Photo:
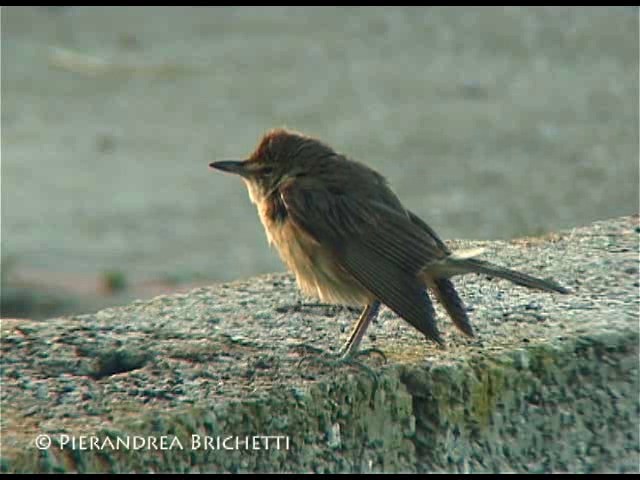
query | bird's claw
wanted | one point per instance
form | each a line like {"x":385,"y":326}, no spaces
{"x":304,"y":348}
{"x":368,"y":352}
{"x":335,"y":361}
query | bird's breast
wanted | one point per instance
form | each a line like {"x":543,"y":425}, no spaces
{"x":317,"y":270}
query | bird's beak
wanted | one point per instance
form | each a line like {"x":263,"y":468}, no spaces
{"x":231,"y":166}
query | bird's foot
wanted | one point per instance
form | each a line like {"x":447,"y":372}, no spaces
{"x":328,"y":309}
{"x":338,"y":360}
{"x":368,"y":352}
{"x":306,"y":349}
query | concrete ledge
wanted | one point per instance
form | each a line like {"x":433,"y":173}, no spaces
{"x":549,"y":384}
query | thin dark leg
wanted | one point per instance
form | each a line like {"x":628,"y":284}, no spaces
{"x":368,"y":314}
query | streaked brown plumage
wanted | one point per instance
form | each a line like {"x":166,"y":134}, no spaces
{"x":347,"y":238}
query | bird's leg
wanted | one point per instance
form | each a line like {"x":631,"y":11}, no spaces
{"x":349,"y":353}
{"x":368,"y":314}
{"x":357,"y":333}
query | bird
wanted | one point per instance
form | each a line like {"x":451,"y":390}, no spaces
{"x":346,"y":236}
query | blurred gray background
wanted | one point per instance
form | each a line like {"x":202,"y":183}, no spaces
{"x":489,"y":123}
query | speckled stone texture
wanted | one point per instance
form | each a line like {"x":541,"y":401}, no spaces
{"x":549,"y":384}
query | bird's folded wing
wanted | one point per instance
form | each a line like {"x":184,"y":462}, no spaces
{"x":380,"y":247}
{"x":429,"y":231}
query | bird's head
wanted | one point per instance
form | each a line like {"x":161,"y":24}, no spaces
{"x":280,"y":155}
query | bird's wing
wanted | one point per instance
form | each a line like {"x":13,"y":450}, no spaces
{"x":379,"y":246}
{"x":429,"y":231}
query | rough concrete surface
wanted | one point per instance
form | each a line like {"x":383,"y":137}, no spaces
{"x":549,"y":384}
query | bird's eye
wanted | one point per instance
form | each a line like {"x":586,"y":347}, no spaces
{"x":266,"y":170}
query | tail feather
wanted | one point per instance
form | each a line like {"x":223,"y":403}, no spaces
{"x":486,"y":268}
{"x":451,"y":301}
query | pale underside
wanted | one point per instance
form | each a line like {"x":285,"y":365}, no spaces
{"x":317,"y":275}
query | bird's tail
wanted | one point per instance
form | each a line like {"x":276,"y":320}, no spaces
{"x":465,"y":262}
{"x":480,"y":266}
{"x":451,"y":301}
